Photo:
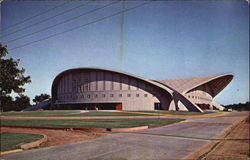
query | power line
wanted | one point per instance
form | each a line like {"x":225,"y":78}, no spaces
{"x":68,"y":20}
{"x":44,"y":20}
{"x":27,"y":19}
{"x":83,"y":25}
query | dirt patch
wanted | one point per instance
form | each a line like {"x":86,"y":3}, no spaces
{"x":234,"y":147}
{"x":57,"y":137}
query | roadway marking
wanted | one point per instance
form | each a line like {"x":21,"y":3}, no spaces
{"x":11,"y":151}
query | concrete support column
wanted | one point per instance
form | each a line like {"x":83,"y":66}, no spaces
{"x":176,"y":99}
{"x":211,"y":106}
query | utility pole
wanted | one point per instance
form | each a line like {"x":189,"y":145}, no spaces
{"x":121,"y":48}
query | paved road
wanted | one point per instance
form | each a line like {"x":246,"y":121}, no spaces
{"x":169,"y":142}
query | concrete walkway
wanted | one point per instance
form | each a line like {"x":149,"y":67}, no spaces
{"x":169,"y":142}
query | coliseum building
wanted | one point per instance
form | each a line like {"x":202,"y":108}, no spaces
{"x":103,"y":89}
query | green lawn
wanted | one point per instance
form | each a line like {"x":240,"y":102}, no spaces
{"x":93,"y":123}
{"x":38,"y":113}
{"x":10,"y":141}
{"x":162,"y":112}
{"x":72,"y":113}
{"x":93,"y":113}
{"x":69,"y":114}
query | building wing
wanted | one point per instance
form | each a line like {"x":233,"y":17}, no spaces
{"x":183,"y":85}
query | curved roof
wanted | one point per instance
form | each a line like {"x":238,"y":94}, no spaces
{"x":172,"y":86}
{"x":184,"y":85}
{"x":109,"y":70}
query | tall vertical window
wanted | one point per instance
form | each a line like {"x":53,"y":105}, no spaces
{"x":65,"y":84}
{"x":112,"y":82}
{"x":104,"y":80}
{"x":68,"y":80}
{"x":89,"y":82}
{"x":120,"y":82}
{"x":63,"y":91}
{"x":96,"y":81}
{"x":78,"y":85}
{"x":60,"y":86}
{"x":82,"y":88}
{"x":129,"y":83}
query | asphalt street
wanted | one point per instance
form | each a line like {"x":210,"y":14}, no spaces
{"x":169,"y":142}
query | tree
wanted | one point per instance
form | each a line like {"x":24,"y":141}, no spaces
{"x":22,"y":102}
{"x":40,"y":98}
{"x":11,"y":77}
{"x":8,"y":102}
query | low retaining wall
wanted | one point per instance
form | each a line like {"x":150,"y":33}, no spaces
{"x":34,"y":144}
{"x":127,"y":129}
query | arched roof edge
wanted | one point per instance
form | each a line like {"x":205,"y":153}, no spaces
{"x":209,"y":80}
{"x":169,"y":90}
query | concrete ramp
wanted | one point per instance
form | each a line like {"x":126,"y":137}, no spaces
{"x":217,"y":105}
{"x":40,"y":105}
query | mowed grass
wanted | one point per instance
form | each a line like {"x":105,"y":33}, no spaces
{"x":100,"y":114}
{"x":38,"y":113}
{"x":69,"y":114}
{"x":163,"y":112}
{"x":75,"y":113}
{"x":10,"y":141}
{"x":93,"y":123}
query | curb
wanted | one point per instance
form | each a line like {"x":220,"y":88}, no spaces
{"x":127,"y":129}
{"x":184,"y":121}
{"x":27,"y":145}
{"x":35,"y":143}
{"x":11,"y":151}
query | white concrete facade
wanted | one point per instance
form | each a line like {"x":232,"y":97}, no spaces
{"x":100,"y":86}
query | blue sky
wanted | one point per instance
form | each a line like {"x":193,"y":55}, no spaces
{"x":160,"y":40}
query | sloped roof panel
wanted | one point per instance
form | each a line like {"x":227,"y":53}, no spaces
{"x":183,"y":85}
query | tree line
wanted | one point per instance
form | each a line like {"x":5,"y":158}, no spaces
{"x":12,"y":80}
{"x":239,"y":106}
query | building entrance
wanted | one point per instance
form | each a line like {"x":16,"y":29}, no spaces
{"x":157,"y":106}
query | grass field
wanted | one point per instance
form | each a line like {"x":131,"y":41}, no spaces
{"x":38,"y":113}
{"x":72,"y":113}
{"x":68,"y":114}
{"x":10,"y":141}
{"x":92,"y":114}
{"x":163,"y":112}
{"x":93,"y":123}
